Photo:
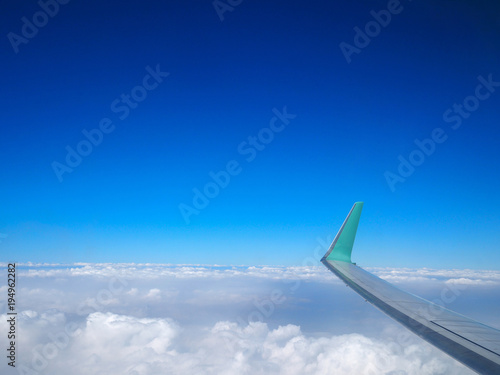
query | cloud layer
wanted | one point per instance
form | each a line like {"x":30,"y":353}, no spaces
{"x":316,"y":273}
{"x":197,"y":319}
{"x":118,"y":344}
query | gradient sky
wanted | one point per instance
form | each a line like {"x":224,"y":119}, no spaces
{"x":353,"y":121}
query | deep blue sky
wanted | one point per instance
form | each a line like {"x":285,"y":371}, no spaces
{"x":353,"y":120}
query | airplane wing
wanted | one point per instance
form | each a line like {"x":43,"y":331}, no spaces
{"x":475,"y":345}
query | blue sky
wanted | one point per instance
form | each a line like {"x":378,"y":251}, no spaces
{"x":353,"y":120}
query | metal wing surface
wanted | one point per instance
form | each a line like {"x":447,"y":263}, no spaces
{"x":472,"y":343}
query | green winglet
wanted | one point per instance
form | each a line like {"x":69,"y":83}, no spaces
{"x":341,"y":247}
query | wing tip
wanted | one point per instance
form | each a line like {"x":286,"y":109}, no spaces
{"x":341,"y":247}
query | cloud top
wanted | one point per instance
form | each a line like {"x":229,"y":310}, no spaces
{"x":313,"y":273}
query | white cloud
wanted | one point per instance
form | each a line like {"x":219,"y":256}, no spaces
{"x":311,"y":273}
{"x":404,"y":275}
{"x":119,"y":344}
{"x":467,"y":281}
{"x":154,"y":293}
{"x":200,"y":319}
{"x":133,"y":292}
{"x":158,"y":271}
